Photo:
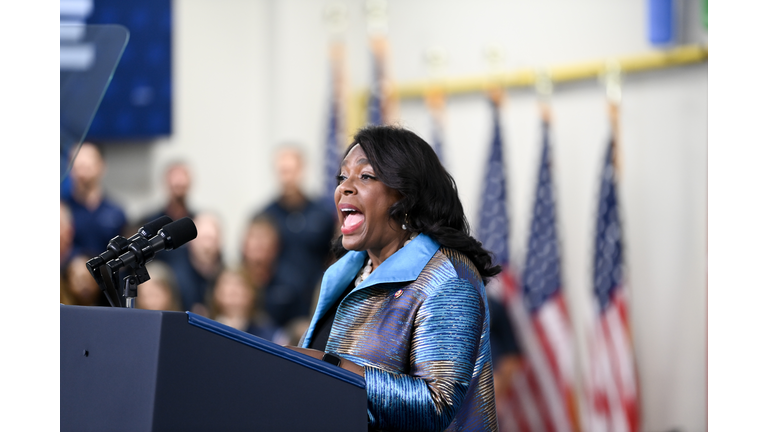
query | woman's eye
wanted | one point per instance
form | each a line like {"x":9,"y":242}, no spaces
{"x":340,"y":178}
{"x":367,"y":177}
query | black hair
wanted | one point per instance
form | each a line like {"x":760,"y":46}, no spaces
{"x":430,"y":202}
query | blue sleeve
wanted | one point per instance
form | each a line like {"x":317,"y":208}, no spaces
{"x":446,"y":340}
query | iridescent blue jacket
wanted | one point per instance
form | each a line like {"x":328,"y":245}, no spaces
{"x":419,"y":325}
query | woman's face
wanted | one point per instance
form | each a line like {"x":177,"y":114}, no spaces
{"x":261,"y":244}
{"x":362,"y":203}
{"x":233,"y":295}
{"x":82,"y":285}
{"x":153,"y":295}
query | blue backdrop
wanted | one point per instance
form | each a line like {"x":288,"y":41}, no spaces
{"x":137,"y":103}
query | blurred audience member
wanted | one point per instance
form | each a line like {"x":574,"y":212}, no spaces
{"x":506,"y":358}
{"x":293,"y":332}
{"x":66,"y":236}
{"x":178,"y":180}
{"x":305,"y":229}
{"x":160,"y":291}
{"x":232,"y":303}
{"x":197,"y":264}
{"x":96,"y":218}
{"x":261,"y":245}
{"x":80,"y":287}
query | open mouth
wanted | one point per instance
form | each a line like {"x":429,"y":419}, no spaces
{"x":351,"y":218}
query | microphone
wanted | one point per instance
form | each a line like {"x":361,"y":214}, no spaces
{"x":143,"y":250}
{"x":115,"y":248}
{"x":119,"y":244}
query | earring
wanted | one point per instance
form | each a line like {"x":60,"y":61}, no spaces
{"x":405,"y":222}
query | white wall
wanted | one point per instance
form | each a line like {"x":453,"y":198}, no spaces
{"x":250,"y":74}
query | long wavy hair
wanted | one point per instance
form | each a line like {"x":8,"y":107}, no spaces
{"x":430,"y":202}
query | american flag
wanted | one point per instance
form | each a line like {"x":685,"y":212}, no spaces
{"x":494,"y":233}
{"x":548,"y":335}
{"x":613,"y":388}
{"x":382,"y":99}
{"x":436,"y":103}
{"x":332,"y":153}
{"x":437,"y":139}
{"x":335,"y":133}
{"x":533,"y":403}
{"x":376,"y":99}
{"x":493,"y":229}
{"x":542,"y":395}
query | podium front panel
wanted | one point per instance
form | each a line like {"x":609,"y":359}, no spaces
{"x":136,"y":370}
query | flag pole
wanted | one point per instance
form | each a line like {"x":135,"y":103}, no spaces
{"x":544,"y":92}
{"x":335,"y":16}
{"x":378,"y":27}
{"x":612,"y":81}
{"x":495,"y":57}
{"x":525,"y":77}
{"x":336,"y":19}
{"x":434,"y":97}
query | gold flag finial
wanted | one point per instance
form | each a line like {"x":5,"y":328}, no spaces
{"x":494,"y":55}
{"x":544,"y":88}
{"x":436,"y":59}
{"x":612,"y":80}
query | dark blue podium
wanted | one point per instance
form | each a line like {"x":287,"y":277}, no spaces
{"x":137,"y":370}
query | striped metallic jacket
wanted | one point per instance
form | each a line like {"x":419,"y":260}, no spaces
{"x":419,"y":325}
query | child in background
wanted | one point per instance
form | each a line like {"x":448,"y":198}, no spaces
{"x":232,"y":304}
{"x":160,"y":291}
{"x":80,"y":288}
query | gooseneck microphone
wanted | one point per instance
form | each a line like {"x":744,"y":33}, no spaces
{"x":143,"y":250}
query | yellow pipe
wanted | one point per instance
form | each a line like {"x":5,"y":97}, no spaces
{"x":679,"y":56}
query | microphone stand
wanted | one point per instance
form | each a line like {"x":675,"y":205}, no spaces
{"x":95,"y":266}
{"x":139,"y":275}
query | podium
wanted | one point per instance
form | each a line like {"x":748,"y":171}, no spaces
{"x":137,"y":370}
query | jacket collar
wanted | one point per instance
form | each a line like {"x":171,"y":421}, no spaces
{"x":405,"y":265}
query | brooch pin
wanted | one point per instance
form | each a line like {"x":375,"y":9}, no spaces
{"x":398,"y":293}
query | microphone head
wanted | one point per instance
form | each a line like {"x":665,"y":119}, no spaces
{"x":151,"y":228}
{"x":178,"y":233}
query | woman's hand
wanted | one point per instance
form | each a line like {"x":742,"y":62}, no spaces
{"x":346,"y":364}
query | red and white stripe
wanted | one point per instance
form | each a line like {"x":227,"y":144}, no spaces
{"x":613,"y":387}
{"x":543,"y":396}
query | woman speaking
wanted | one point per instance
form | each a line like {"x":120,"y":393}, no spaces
{"x":404,"y":306}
